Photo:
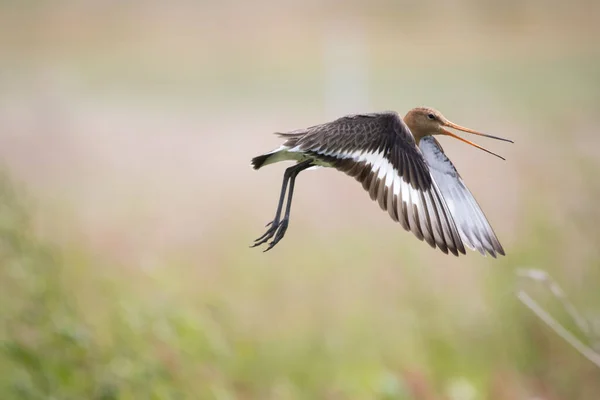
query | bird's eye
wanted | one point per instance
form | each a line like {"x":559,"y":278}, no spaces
{"x":431,"y":116}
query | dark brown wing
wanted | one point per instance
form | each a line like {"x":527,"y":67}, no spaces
{"x":380,"y":152}
{"x":473,"y":226}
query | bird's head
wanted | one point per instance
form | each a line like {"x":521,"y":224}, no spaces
{"x":425,"y":121}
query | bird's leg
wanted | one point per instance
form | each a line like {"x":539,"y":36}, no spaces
{"x":277,"y":227}
{"x":283,"y":224}
{"x":275,"y":222}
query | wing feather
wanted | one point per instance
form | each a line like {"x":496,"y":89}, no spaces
{"x":473,"y":226}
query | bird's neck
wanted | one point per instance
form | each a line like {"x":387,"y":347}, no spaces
{"x":418,"y":134}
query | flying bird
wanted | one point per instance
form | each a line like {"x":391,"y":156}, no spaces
{"x":401,"y":165}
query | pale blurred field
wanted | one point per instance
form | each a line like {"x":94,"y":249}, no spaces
{"x":127,"y":130}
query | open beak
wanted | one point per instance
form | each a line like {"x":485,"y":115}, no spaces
{"x":462,"y":128}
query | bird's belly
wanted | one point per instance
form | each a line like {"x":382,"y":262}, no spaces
{"x":287,"y":154}
{"x":319,"y":162}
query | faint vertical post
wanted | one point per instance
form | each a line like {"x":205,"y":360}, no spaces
{"x":345,"y":59}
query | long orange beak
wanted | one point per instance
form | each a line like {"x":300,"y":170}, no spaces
{"x":462,"y":128}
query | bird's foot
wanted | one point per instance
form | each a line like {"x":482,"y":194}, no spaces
{"x":268,"y":234}
{"x":283,"y":225}
{"x":276,"y":231}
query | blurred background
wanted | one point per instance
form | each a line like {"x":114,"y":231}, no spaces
{"x":128,"y":203}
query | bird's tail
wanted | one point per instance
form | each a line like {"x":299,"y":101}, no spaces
{"x":279,"y":154}
{"x":259,"y":161}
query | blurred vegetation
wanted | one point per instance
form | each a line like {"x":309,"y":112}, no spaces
{"x":74,"y":328}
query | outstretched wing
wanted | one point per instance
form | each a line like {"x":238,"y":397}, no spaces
{"x":474,"y":228}
{"x":379,"y":151}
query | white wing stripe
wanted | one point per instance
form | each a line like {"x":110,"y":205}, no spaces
{"x":425,"y":214}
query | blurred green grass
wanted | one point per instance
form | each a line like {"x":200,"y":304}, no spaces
{"x":74,"y":327}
